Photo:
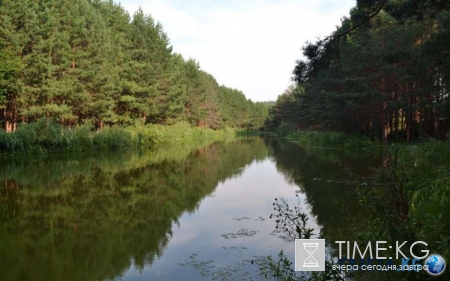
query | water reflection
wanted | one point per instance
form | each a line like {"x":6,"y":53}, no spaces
{"x":330,"y":179}
{"x":169,"y":214}
{"x":90,"y":217}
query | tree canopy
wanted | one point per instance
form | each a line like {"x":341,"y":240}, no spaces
{"x":89,"y":62}
{"x":383,"y":73}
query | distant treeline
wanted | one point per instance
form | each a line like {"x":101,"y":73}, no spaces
{"x":384,"y":73}
{"x":88,"y":62}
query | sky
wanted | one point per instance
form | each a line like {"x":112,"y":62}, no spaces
{"x":249,"y":45}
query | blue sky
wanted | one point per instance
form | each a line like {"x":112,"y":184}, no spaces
{"x":250,"y":45}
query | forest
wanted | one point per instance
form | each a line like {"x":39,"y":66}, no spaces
{"x":89,"y":63}
{"x":384,"y":74}
{"x":381,"y":77}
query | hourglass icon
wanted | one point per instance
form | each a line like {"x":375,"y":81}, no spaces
{"x":310,"y":260}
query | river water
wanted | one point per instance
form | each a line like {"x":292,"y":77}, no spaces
{"x":171,"y":213}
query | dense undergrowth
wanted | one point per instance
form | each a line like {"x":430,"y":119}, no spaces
{"x":419,"y":180}
{"x":413,"y":206}
{"x":330,"y":139}
{"x":43,"y":136}
{"x":325,"y":139}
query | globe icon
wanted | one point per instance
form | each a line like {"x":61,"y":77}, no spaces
{"x":436,"y":264}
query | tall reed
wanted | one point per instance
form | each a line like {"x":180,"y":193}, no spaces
{"x":46,"y":135}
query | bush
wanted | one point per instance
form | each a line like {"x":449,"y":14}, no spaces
{"x":79,"y":138}
{"x":285,"y":129}
{"x":330,"y":139}
{"x":422,"y":173}
{"x":46,"y":135}
{"x":113,"y":138}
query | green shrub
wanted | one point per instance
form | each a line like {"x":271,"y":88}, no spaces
{"x":7,"y":141}
{"x":79,"y":138}
{"x":330,"y":139}
{"x":114,"y":138}
{"x":419,"y":178}
{"x":46,"y":135}
{"x":284,"y":130}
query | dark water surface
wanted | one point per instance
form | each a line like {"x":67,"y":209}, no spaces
{"x":174,"y":213}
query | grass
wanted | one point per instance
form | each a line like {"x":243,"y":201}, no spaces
{"x":44,"y":136}
{"x":245,"y":133}
{"x":330,"y":139}
{"x":323,"y":139}
{"x":422,"y":173}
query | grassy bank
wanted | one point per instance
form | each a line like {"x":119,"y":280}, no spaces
{"x":245,"y":133}
{"x":419,"y":180}
{"x":46,"y":136}
{"x":411,"y":206}
{"x":330,"y":139}
{"x":324,"y":139}
{"x":414,"y":205}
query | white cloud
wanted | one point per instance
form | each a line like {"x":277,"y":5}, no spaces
{"x":248,"y":45}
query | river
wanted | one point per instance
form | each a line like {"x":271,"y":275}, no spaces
{"x":169,"y":213}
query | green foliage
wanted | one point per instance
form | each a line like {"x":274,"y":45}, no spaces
{"x":46,"y":135}
{"x":268,"y":104}
{"x":284,"y":130}
{"x":239,"y":112}
{"x":293,"y":223}
{"x":419,"y":176}
{"x":114,"y":138}
{"x":82,"y":61}
{"x":181,"y":133}
{"x":40,"y":135}
{"x":279,"y":269}
{"x":330,"y":139}
{"x":341,"y":190}
{"x":10,"y":66}
{"x":384,"y":73}
{"x":413,"y":204}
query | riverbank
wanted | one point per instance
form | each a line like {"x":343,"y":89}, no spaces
{"x":405,"y":200}
{"x":414,"y":205}
{"x":45,"y":136}
{"x":325,"y":139}
{"x":419,"y":179}
{"x":330,"y":139}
